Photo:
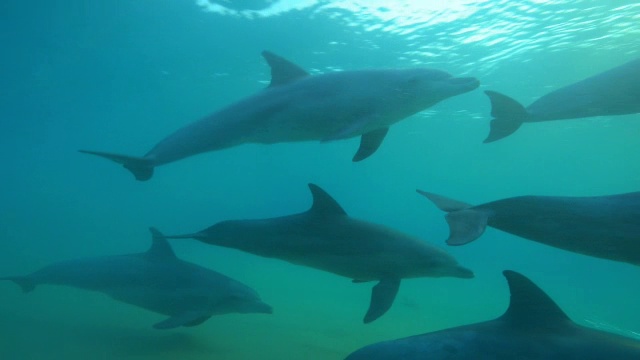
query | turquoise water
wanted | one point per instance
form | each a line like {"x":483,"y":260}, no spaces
{"x":119,"y":76}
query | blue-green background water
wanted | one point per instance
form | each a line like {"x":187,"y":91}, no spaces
{"x":120,"y":75}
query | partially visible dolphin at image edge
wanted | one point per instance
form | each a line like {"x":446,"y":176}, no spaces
{"x":534,"y":327}
{"x":299,"y":107}
{"x":155,"y":280}
{"x":612,"y":92}
{"x":326,"y":238}
{"x":606,"y":227}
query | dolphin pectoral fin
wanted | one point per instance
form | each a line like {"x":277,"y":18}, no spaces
{"x":508,"y":116}
{"x":466,"y":225}
{"x":382,"y":297}
{"x":140,"y":167}
{"x":198,"y":321}
{"x":189,"y":318}
{"x":369,"y":143}
{"x":444,"y":203}
{"x":25,"y":283}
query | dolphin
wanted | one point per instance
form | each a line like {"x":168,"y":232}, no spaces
{"x":534,"y":327}
{"x":326,"y":238}
{"x":299,"y":107}
{"x":155,"y":280}
{"x":613,"y":92}
{"x":606,"y":227}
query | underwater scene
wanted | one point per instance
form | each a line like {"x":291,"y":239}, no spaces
{"x":316,"y":179}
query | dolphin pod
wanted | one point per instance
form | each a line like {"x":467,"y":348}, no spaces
{"x":155,"y":280}
{"x":326,"y":238}
{"x":607,"y":227}
{"x":299,"y":107}
{"x":534,"y":327}
{"x":613,"y":92}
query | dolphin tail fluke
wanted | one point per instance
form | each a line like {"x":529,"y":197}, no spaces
{"x":508,"y":115}
{"x":466,"y":223}
{"x":382,"y":297}
{"x":140,"y":167}
{"x":25,"y":283}
{"x":444,"y":203}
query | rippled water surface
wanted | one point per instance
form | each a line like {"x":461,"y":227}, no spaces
{"x":119,"y":76}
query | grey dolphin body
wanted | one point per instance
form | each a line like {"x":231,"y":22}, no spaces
{"x":602,"y":226}
{"x":155,"y":280}
{"x":326,"y":238}
{"x":534,"y":327}
{"x":300,"y":107}
{"x":613,"y":92}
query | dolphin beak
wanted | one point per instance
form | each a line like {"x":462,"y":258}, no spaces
{"x":264,"y":308}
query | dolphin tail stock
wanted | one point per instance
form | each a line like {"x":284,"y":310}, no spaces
{"x":466,"y":223}
{"x":508,"y":116}
{"x":140,"y":167}
{"x":382,"y":296}
{"x":196,"y":236}
{"x":25,"y":283}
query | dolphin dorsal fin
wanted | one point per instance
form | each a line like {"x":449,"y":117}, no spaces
{"x":160,"y":247}
{"x":530,"y":307}
{"x":283,"y":71}
{"x":323,"y":203}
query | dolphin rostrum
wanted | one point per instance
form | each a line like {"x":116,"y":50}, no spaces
{"x":326,"y":238}
{"x":534,"y":327}
{"x":607,"y":227}
{"x":155,"y":280}
{"x":300,"y":107}
{"x":613,"y":92}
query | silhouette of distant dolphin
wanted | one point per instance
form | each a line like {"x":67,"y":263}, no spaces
{"x":533,"y":328}
{"x":300,"y":107}
{"x":613,"y":92}
{"x":326,"y":238}
{"x":607,"y":227}
{"x":155,"y":280}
